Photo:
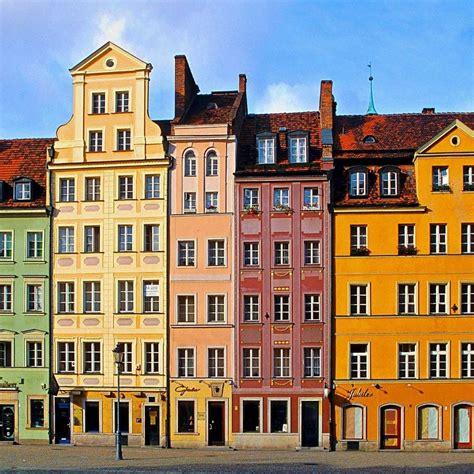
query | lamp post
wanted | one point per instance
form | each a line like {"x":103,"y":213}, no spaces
{"x":118,"y":360}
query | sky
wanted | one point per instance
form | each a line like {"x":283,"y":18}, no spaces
{"x":422,"y":53}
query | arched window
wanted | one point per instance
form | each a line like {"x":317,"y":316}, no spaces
{"x":353,"y":427}
{"x":358,"y":182}
{"x":369,"y":139}
{"x":190,"y":164}
{"x":212,"y":164}
{"x":389,"y":181}
{"x":428,"y":422}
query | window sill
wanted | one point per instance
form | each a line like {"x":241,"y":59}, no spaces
{"x":31,"y":260}
{"x":34,"y":313}
{"x":6,"y":313}
{"x":96,"y":151}
{"x":256,"y":322}
{"x":93,"y":373}
{"x":38,"y":428}
{"x":125,"y":199}
{"x":67,"y":253}
{"x":92,"y":253}
{"x":153,"y":199}
{"x":121,"y":151}
{"x":311,"y":209}
{"x":191,"y":433}
{"x":311,"y":321}
{"x":68,"y":202}
{"x":5,"y":260}
{"x":93,"y":200}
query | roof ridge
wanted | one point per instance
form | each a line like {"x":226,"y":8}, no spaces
{"x":407,"y":113}
{"x":24,"y":139}
{"x":284,"y":113}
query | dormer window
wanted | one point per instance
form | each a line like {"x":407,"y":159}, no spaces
{"x":389,"y":178}
{"x":369,"y":139}
{"x":22,"y":190}
{"x":3,"y":191}
{"x":266,"y":148}
{"x":297,"y":147}
{"x":358,"y":182}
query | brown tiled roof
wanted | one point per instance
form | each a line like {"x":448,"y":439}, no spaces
{"x":24,"y":158}
{"x":297,"y":121}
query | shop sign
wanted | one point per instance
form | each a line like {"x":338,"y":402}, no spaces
{"x":182,"y":389}
{"x":5,"y":384}
{"x":359,"y":393}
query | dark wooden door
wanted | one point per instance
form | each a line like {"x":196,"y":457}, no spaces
{"x":309,"y":424}
{"x":7,"y":423}
{"x":152,"y":426}
{"x":463,"y":427}
{"x":62,"y":421}
{"x":390,"y":428}
{"x":216,"y":423}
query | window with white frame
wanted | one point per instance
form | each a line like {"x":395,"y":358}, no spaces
{"x":359,"y":299}
{"x":311,"y":199}
{"x":186,"y":253}
{"x":186,"y":362}
{"x":352,"y":422}
{"x":186,"y":309}
{"x":251,"y":253}
{"x":251,"y":362}
{"x":189,"y":202}
{"x":406,"y":361}
{"x":251,"y":308}
{"x":281,"y":198}
{"x":211,"y":201}
{"x":66,"y":239}
{"x":359,"y":361}
{"x":98,"y":103}
{"x":281,"y":362}
{"x":312,"y":362}
{"x":152,"y":186}
{"x":467,"y":298}
{"x":212,"y":164}
{"x":389,"y":182}
{"x":125,"y":238}
{"x":438,"y":360}
{"x":312,"y":307}
{"x":438,"y":298}
{"x":67,"y":190}
{"x":251,"y":416}
{"x":216,"y":253}
{"x":468,"y":178}
{"x":124,"y":140}
{"x":266,"y":150}
{"x":127,"y":363}
{"x":428,"y":423}
{"x":35,"y":353}
{"x":125,"y":187}
{"x":5,"y":298}
{"x":91,"y":238}
{"x":406,"y":298}
{"x":6,"y":245}
{"x":215,"y":309}
{"x":151,"y":296}
{"x":91,"y":357}
{"x":282,"y":253}
{"x":440,"y":178}
{"x":151,"y":234}
{"x":6,"y":359}
{"x":438,"y":238}
{"x":312,"y":252}
{"x":22,"y":190}
{"x":298,"y":149}
{"x":406,"y":237}
{"x":66,"y":297}
{"x":215,"y":362}
{"x":92,"y":189}
{"x":121,"y":101}
{"x":34,"y":298}
{"x":92,"y":296}
{"x":185,"y":416}
{"x":358,"y":183}
{"x":152,"y":357}
{"x":358,"y":239}
{"x":66,"y":357}
{"x":190,"y":164}
{"x":251,"y":198}
{"x":126,"y":299}
{"x":279,"y":416}
{"x":281,"y":307}
{"x":96,"y":140}
{"x":467,"y":360}
{"x":467,"y":238}
{"x":34,"y":245}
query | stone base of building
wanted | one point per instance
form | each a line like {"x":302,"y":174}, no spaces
{"x":356,"y":446}
{"x":105,"y":439}
{"x":410,"y":446}
{"x":40,"y":442}
{"x":265,"y":441}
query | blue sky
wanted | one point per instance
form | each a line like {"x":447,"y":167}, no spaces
{"x":422,"y":53}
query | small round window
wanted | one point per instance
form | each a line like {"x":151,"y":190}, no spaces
{"x":455,"y":140}
{"x":110,"y":63}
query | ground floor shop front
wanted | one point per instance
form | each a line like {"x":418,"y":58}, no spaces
{"x":416,"y":415}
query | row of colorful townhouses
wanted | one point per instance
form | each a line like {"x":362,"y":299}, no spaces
{"x":283,"y":280}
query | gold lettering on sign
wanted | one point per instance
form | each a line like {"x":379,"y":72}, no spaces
{"x":183,"y":389}
{"x":358,"y":393}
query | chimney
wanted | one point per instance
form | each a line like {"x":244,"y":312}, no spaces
{"x":185,"y":88}
{"x":428,"y":111}
{"x":242,"y":83}
{"x":326,"y":105}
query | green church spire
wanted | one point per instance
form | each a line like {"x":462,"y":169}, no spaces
{"x":371,"y":109}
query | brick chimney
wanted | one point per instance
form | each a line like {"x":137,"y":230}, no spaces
{"x":242,"y":83}
{"x":326,"y":114}
{"x":185,"y":88}
{"x":428,"y":110}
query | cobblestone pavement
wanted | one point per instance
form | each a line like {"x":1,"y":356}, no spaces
{"x":45,"y":459}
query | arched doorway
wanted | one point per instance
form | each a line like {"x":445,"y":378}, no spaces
{"x":390,"y":427}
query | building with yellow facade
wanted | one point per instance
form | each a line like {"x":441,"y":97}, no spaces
{"x":403,"y":351}
{"x":108,"y":178}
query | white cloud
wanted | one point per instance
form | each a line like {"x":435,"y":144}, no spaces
{"x":110,"y":29}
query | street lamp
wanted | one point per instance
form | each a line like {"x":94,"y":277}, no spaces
{"x":118,"y":360}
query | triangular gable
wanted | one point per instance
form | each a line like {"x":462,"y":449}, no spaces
{"x":33,"y":332}
{"x":7,"y":332}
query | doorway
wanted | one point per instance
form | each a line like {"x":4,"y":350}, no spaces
{"x":216,"y":423}
{"x":463,"y":427}
{"x":152,"y":426}
{"x":309,"y":424}
{"x":7,"y":423}
{"x":390,"y":428}
{"x":62,"y":420}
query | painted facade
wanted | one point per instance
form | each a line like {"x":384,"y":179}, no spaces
{"x":24,"y":292}
{"x":403,"y":306}
{"x":109,"y":174}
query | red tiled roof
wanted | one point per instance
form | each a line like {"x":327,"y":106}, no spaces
{"x":297,"y":121}
{"x":24,"y":158}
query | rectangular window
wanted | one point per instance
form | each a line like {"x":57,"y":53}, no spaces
{"x":66,"y":239}
{"x":281,"y":307}
{"x":282,"y":253}
{"x":34,"y":298}
{"x":22,"y":190}
{"x":215,"y":362}
{"x":312,"y":307}
{"x":6,"y":245}
{"x":215,"y":309}
{"x":359,"y":300}
{"x":152,"y":357}
{"x":428,"y":421}
{"x":5,"y":298}
{"x":266,"y":151}
{"x":298,"y":150}
{"x":92,"y":188}
{"x":467,"y":298}
{"x":468,"y":178}
{"x":152,"y":238}
{"x":311,"y":199}
{"x":124,"y":141}
{"x":127,"y":364}
{"x":152,"y":186}
{"x":359,"y":357}
{"x":92,"y":357}
{"x":186,"y":253}
{"x":36,"y":413}
{"x":281,"y":198}
{"x":312,"y":361}
{"x":66,"y":297}
{"x":359,"y":240}
{"x":251,"y":416}
{"x":92,"y":297}
{"x":151,"y":296}
{"x":66,"y":357}
{"x":124,"y":416}
{"x":353,"y":427}
{"x":406,"y":239}
{"x":281,"y":362}
{"x":251,"y":253}
{"x":467,"y":360}
{"x":67,"y":190}
{"x":185,"y":362}
{"x":406,"y":361}
{"x":125,"y":187}
{"x":35,"y":354}
{"x":438,"y":298}
{"x":312,"y":252}
{"x":216,"y":253}
{"x":438,"y":238}
{"x":186,"y":309}
{"x":440,"y":178}
{"x":438,"y":361}
{"x":125,"y":238}
{"x":211,"y":202}
{"x":91,"y":417}
{"x":91,"y":239}
{"x":389,"y":183}
{"x":6,"y":354}
{"x":189,"y":202}
{"x":278,"y":416}
{"x":467,"y":238}
{"x":358,"y":184}
{"x":406,"y":298}
{"x":186,"y":422}
{"x":95,"y":141}
{"x":98,"y":103}
{"x":251,"y":198}
{"x":125,"y":296}
{"x":34,"y":245}
{"x":251,"y":362}
{"x":251,"y":308}
{"x":121,"y":101}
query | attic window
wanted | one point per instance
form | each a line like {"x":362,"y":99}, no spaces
{"x":211,"y":106}
{"x":369,"y":139}
{"x":455,"y":140}
{"x":110,"y":62}
{"x":3,"y":190}
{"x":23,"y":190}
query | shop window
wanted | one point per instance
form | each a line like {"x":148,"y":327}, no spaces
{"x":279,"y":416}
{"x":36,"y":413}
{"x":353,"y":417}
{"x":251,"y":416}
{"x":428,"y":423}
{"x":124,"y":417}
{"x":186,"y":416}
{"x":91,"y":418}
